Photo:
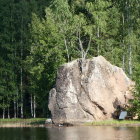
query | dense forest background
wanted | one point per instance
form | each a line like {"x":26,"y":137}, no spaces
{"x":37,"y":36}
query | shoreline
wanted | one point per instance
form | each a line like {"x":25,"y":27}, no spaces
{"x":19,"y":125}
{"x":45,"y":126}
{"x":115,"y":123}
{"x":31,"y":122}
{"x":41,"y":122}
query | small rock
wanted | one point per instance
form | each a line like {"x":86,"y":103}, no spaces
{"x":48,"y":121}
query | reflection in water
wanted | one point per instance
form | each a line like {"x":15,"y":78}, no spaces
{"x":71,"y":133}
{"x":94,"y":133}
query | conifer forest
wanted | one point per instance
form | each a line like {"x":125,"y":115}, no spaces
{"x":37,"y":36}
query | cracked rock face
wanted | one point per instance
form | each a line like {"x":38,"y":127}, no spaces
{"x":88,"y":90}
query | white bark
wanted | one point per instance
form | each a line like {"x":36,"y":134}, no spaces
{"x":8,"y":113}
{"x":15,"y":114}
{"x":66,"y":46}
{"x":98,"y":36}
{"x":21,"y":86}
{"x":34,"y":106}
{"x":89,"y":44}
{"x":3,"y":113}
{"x":130,"y":60}
{"x":123,"y":57}
{"x":123,"y":62}
{"x":17,"y":105}
{"x":21,"y":73}
{"x":81,"y":45}
{"x":130,"y":30}
{"x":21,"y":92}
{"x":31,"y":105}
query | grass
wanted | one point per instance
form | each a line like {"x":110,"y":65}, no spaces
{"x":114,"y":123}
{"x":22,"y":122}
{"x":41,"y":122}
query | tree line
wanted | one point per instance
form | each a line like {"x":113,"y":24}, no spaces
{"x":37,"y":36}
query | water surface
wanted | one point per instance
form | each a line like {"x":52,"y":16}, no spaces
{"x":71,"y":133}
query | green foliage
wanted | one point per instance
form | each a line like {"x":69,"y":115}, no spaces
{"x":135,"y":108}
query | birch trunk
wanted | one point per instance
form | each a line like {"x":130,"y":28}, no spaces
{"x":34,"y":106}
{"x":66,"y":46}
{"x":85,"y":53}
{"x":98,"y":36}
{"x":15,"y":114}
{"x":130,"y":30}
{"x":17,"y":105}
{"x":3,"y":113}
{"x":130,"y":60}
{"x":81,"y":45}
{"x":123,"y":61}
{"x":8,"y":113}
{"x":21,"y":92}
{"x":21,"y":71}
{"x":31,"y":105}
{"x":123,"y":57}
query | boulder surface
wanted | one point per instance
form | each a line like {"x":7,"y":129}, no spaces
{"x":88,"y":90}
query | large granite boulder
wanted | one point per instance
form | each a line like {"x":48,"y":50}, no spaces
{"x":88,"y":90}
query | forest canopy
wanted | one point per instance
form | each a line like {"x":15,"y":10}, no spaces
{"x":37,"y":36}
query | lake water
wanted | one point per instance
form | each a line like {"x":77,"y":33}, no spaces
{"x":71,"y":133}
